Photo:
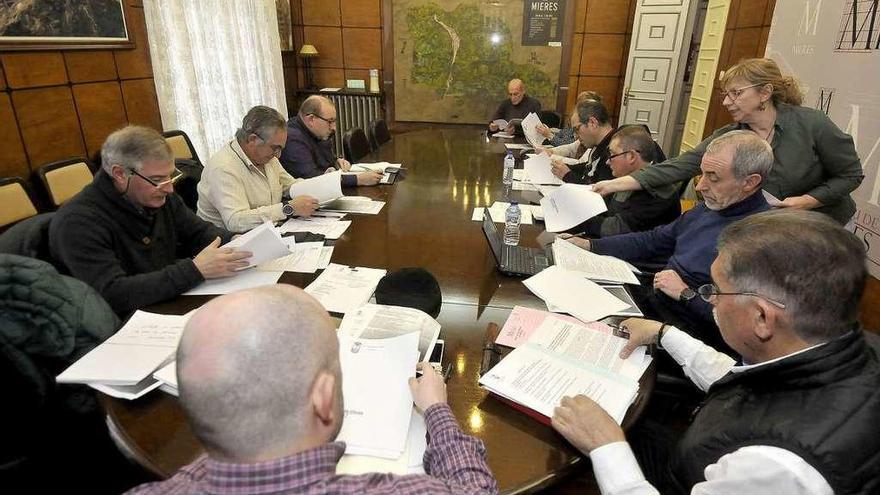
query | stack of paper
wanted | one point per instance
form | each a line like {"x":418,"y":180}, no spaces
{"x":167,"y":378}
{"x":563,"y":358}
{"x":324,"y":187}
{"x":375,"y":321}
{"x":354,"y":204}
{"x":503,"y":135}
{"x":375,"y":390}
{"x":539,"y":170}
{"x":570,"y":205}
{"x":304,"y":257}
{"x":572,"y":293}
{"x":410,"y":462}
{"x":121,"y":366}
{"x":331,"y":228}
{"x":591,"y":265}
{"x":341,"y":288}
{"x":264,"y":242}
{"x":498,"y":212}
{"x":247,"y":279}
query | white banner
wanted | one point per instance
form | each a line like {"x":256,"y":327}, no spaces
{"x":832,"y":47}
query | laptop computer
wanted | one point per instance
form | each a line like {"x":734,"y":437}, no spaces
{"x":514,"y":260}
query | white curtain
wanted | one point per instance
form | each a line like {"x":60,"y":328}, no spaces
{"x":212,"y":61}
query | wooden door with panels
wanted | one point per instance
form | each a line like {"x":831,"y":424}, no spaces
{"x":655,"y":67}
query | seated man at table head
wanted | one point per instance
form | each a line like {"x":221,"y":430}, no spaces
{"x":799,"y":414}
{"x":310,"y":151}
{"x":260,"y":382}
{"x":632,"y":148}
{"x":243,"y":183}
{"x":517,"y":106}
{"x":129,"y":236}
{"x":591,"y":122}
{"x":734,"y":167}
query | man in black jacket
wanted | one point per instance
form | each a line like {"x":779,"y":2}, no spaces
{"x":799,"y":413}
{"x":127,"y":235}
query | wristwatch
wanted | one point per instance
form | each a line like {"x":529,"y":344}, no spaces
{"x":687,"y":294}
{"x":287,"y":209}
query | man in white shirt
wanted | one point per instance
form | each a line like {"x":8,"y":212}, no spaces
{"x":243,"y":183}
{"x":801,"y":415}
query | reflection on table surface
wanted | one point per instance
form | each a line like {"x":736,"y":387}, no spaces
{"x":426,"y":222}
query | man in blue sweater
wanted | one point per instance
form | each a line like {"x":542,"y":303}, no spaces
{"x":733,"y":169}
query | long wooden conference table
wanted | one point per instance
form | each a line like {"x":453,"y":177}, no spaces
{"x":426,"y":222}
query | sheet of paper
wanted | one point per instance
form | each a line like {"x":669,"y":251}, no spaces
{"x":329,"y":229}
{"x":530,"y":129}
{"x":523,"y":186}
{"x":501,"y":123}
{"x":547,"y":190}
{"x":538,"y":170}
{"x":498,"y":212}
{"x":376,"y":167}
{"x":327,"y":215}
{"x":342,"y":288}
{"x":324,"y":187}
{"x":131,"y":354}
{"x":620,"y":292}
{"x":410,"y":462}
{"x":771,"y":199}
{"x":376,"y":321}
{"x":591,"y":265}
{"x":519,"y":174}
{"x":128,"y":392}
{"x":263,"y":241}
{"x":538,"y":379}
{"x":517,"y":146}
{"x":376,"y":396}
{"x":579,"y":297}
{"x":167,"y":374}
{"x":570,"y":205}
{"x":354,"y":204}
{"x":537,"y":211}
{"x":303,"y":258}
{"x":326,"y":254}
{"x":522,"y":322}
{"x":565,"y":159}
{"x":242,"y":280}
{"x":503,"y":135}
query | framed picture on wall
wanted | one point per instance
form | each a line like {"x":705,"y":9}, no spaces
{"x":63,"y":24}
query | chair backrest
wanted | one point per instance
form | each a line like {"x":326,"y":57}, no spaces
{"x":15,"y":201}
{"x":65,"y":178}
{"x":355,"y":144}
{"x":379,"y":134}
{"x":181,"y":146}
{"x":550,"y":118}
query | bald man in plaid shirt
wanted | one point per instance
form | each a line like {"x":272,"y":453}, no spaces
{"x":259,"y":379}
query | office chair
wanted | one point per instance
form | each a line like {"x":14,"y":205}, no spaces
{"x":15,"y":201}
{"x":355,"y":144}
{"x":379,"y":134}
{"x":550,"y":118}
{"x":65,"y":178}
{"x":181,"y":145}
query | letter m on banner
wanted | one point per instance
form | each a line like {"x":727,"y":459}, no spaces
{"x":823,"y":102}
{"x":860,"y":27}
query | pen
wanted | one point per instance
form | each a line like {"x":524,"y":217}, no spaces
{"x":447,"y":373}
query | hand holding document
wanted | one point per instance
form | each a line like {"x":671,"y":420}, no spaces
{"x":341,"y":288}
{"x":324,"y":187}
{"x":376,"y":395}
{"x":591,"y":265}
{"x":263,"y":241}
{"x":570,"y":205}
{"x":502,"y":124}
{"x":577,"y":296}
{"x":538,"y":168}
{"x":375,"y":321}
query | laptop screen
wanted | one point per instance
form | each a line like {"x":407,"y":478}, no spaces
{"x":492,"y":235}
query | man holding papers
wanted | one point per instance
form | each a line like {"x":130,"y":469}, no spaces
{"x":516,"y":107}
{"x":592,"y":127}
{"x":243,"y":182}
{"x":799,"y":414}
{"x":309,"y":151}
{"x":259,"y":379}
{"x":734,"y":167}
{"x":127,"y":235}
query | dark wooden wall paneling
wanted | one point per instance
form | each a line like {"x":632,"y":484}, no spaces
{"x":63,"y":103}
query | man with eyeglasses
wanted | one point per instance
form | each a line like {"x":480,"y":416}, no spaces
{"x":129,"y":236}
{"x":243,"y":183}
{"x":798,"y":413}
{"x":516,"y":107}
{"x":734,"y":167}
{"x":310,"y":151}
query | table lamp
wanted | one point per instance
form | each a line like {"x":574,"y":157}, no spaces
{"x":307,"y":52}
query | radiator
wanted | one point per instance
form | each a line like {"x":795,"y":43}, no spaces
{"x":353,"y":111}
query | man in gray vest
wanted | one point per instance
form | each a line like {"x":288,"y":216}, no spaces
{"x":800,"y":413}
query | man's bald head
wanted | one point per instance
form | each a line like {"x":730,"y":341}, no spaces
{"x":245,"y":367}
{"x":516,"y":90}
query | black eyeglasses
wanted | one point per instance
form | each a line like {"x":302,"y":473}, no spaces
{"x":329,"y":121}
{"x":176,"y":174}
{"x":709,"y":291}
{"x":611,"y":157}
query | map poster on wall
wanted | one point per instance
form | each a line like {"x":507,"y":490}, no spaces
{"x":454,"y":58}
{"x":832,"y":47}
{"x":542,"y":22}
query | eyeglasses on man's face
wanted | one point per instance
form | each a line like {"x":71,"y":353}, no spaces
{"x":176,"y":174}
{"x":276,"y":148}
{"x":612,"y":157}
{"x":328,"y":121}
{"x":734,"y":94}
{"x":709,"y":291}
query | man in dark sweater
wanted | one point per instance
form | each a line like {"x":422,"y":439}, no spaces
{"x":731,"y":187}
{"x":128,"y":236}
{"x":309,"y":149}
{"x":631,"y":149}
{"x":798,"y":414}
{"x":518,"y":106}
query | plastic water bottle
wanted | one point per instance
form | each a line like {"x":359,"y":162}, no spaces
{"x":511,"y":225}
{"x":507,"y":176}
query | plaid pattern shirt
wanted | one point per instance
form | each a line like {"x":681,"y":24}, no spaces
{"x":454,"y":463}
